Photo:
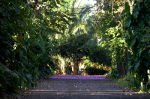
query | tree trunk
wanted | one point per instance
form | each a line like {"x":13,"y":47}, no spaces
{"x":76,"y":67}
{"x":34,"y":4}
{"x":126,"y":60}
{"x":112,"y":6}
{"x":120,"y":69}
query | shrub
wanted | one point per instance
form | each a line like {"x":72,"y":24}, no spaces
{"x":95,"y":71}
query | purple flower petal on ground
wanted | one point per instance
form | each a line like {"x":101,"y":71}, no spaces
{"x":88,"y":77}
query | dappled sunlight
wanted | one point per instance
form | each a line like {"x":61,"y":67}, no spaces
{"x":83,"y":92}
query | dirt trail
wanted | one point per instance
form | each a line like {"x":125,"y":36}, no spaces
{"x":79,"y":88}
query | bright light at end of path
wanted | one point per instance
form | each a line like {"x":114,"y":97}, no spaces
{"x":91,"y":3}
{"x":86,"y":2}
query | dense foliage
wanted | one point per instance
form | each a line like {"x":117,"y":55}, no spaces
{"x":95,"y":68}
{"x":123,"y":28}
{"x":27,"y":34}
{"x":107,"y":23}
{"x":138,"y":39}
{"x":39,"y":36}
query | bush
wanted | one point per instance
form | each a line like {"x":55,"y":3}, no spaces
{"x":93,"y":68}
{"x":130,"y":81}
{"x":100,"y":55}
{"x":113,"y":73}
{"x":95,"y":71}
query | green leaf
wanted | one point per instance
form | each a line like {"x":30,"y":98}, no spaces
{"x":132,"y":43}
{"x":135,"y":13}
{"x":137,"y":66}
{"x":128,"y":22}
{"x":127,"y":9}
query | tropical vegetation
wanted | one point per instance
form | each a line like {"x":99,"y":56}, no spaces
{"x":39,"y":37}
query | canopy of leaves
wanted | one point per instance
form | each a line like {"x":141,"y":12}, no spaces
{"x":75,"y":47}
